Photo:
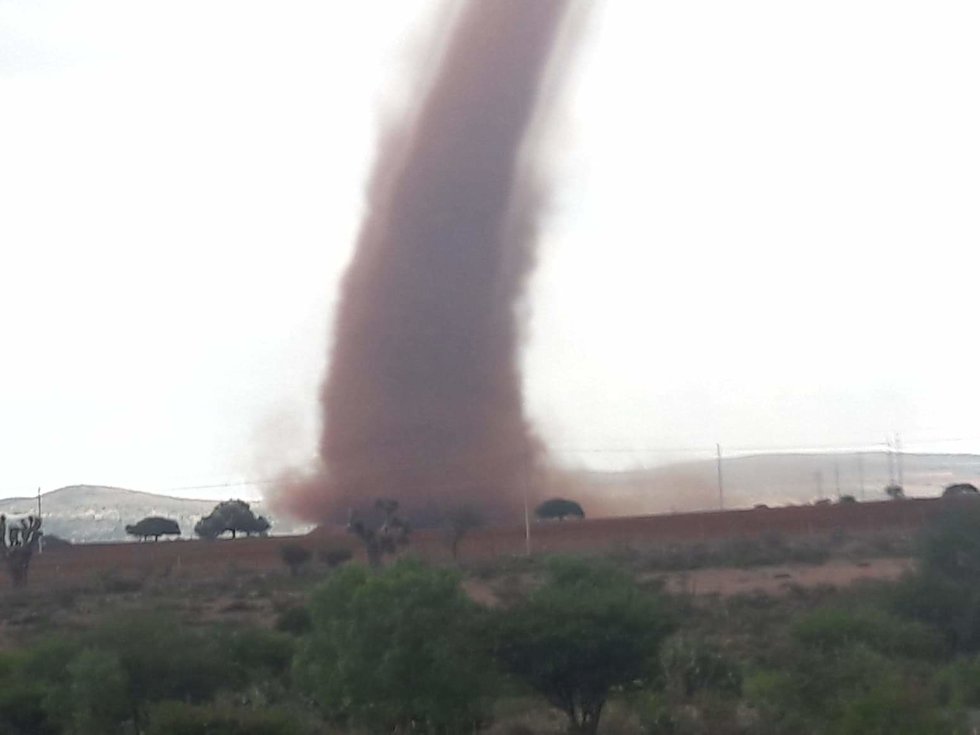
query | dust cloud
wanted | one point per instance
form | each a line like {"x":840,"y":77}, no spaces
{"x":423,"y":401}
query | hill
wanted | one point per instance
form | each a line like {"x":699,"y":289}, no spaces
{"x":771,"y":479}
{"x":93,"y":513}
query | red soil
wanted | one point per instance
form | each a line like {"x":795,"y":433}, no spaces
{"x":205,"y":558}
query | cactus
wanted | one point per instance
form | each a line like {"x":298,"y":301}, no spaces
{"x":17,"y":545}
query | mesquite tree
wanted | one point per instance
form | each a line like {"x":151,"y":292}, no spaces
{"x":386,"y":538}
{"x":17,"y":544}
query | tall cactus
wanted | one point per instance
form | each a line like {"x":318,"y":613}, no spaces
{"x":17,"y":545}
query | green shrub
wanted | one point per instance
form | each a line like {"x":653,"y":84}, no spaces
{"x":893,"y":709}
{"x":950,"y":545}
{"x":692,"y":666}
{"x":396,"y":649}
{"x":958,"y":684}
{"x":950,"y":606}
{"x":832,"y":629}
{"x":178,"y":718}
{"x":294,"y":620}
{"x":333,"y":558}
{"x":587,"y":630}
{"x":257,"y":653}
{"x":164,"y":659}
{"x":24,"y":710}
{"x":96,"y":700}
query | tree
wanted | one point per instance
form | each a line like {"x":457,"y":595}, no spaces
{"x":588,"y":630}
{"x":895,"y":492}
{"x":961,"y":489}
{"x":231,"y":516}
{"x":396,"y":651}
{"x":294,"y":556}
{"x":17,"y":545}
{"x":333,"y":558}
{"x":559,"y":508}
{"x":155,"y":527}
{"x":458,"y":523}
{"x":392,"y":533}
{"x":945,"y":589}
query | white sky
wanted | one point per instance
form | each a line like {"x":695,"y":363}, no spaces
{"x":763,"y":230}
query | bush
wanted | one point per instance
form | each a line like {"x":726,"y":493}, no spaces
{"x":832,"y":630}
{"x":23,"y":709}
{"x":587,"y":630}
{"x":893,"y":709}
{"x":178,"y":718}
{"x":945,"y":591}
{"x":396,"y":650}
{"x":294,"y":556}
{"x":333,"y":558}
{"x":950,"y":546}
{"x":943,"y":603}
{"x":294,"y":620}
{"x":96,"y":698}
{"x":163,"y":659}
{"x":692,"y":666}
{"x":255,"y":653}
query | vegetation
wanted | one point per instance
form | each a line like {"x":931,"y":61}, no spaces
{"x":539,"y":645}
{"x":895,"y":492}
{"x":333,"y":558}
{"x":559,"y":508}
{"x":385,"y":538}
{"x":294,"y":556}
{"x":17,"y":545}
{"x":586,"y":630}
{"x":154,"y":527}
{"x":961,"y":489}
{"x":234,"y":517}
{"x":396,"y":651}
{"x":458,"y":523}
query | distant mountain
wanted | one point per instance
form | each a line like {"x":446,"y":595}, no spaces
{"x":93,"y":513}
{"x":771,"y":479}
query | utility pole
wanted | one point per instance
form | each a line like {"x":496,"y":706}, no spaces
{"x":527,"y":510}
{"x":899,"y":462}
{"x":837,"y":479}
{"x":40,"y":537}
{"x":860,"y":463}
{"x":891,"y":462}
{"x":721,"y":484}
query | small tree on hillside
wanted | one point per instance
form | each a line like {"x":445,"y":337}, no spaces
{"x":386,"y":538}
{"x":895,"y":492}
{"x":458,"y":523}
{"x":588,"y":630}
{"x":154,"y":527}
{"x":961,"y":490}
{"x":17,"y":545}
{"x":294,"y":556}
{"x":231,"y":516}
{"x":559,"y":508}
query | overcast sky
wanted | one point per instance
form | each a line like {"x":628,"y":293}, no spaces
{"x":763,"y":230}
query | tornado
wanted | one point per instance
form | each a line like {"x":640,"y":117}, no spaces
{"x":422,"y":402}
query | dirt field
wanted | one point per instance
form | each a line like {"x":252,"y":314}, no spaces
{"x":779,"y":579}
{"x":201,"y":558}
